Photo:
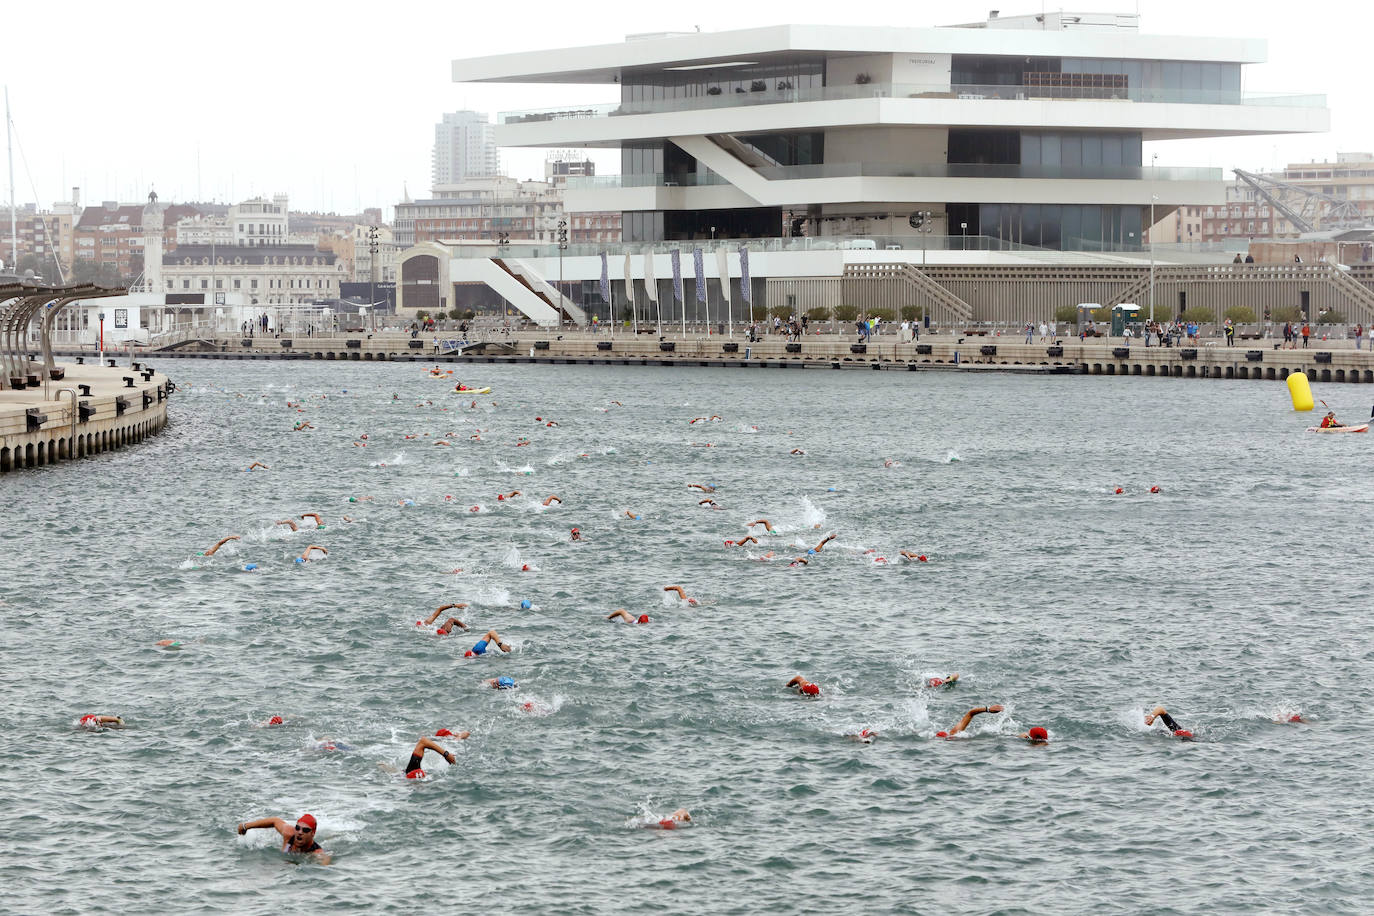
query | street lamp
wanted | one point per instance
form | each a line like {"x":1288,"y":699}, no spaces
{"x":562,"y":246}
{"x":963,"y":232}
{"x":372,"y":234}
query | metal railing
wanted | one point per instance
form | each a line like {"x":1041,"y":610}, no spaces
{"x":779,"y":93}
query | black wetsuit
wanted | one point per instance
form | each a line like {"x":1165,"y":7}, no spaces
{"x":414,"y":763}
{"x":1169,"y":722}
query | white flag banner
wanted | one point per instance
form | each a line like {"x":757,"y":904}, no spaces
{"x":723,"y":271}
{"x":650,"y":284}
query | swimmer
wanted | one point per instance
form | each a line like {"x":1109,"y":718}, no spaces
{"x":681,"y":594}
{"x":300,"y":839}
{"x":747,"y":539}
{"x":92,"y":721}
{"x":767,"y":525}
{"x":799,"y":561}
{"x":447,"y":626}
{"x":617,"y":404}
{"x":168,"y":643}
{"x":622,"y":614}
{"x":919,"y":557}
{"x":710,"y":504}
{"x":825,"y":540}
{"x":417,"y":756}
{"x":274,"y":721}
{"x":304,"y":424}
{"x":220,"y":543}
{"x":964,"y":722}
{"x":305,"y":556}
{"x":551,"y":423}
{"x":945,"y":682}
{"x":441,"y":442}
{"x":702,"y":487}
{"x":511,"y":495}
{"x":630,"y":513}
{"x":1036,"y":735}
{"x":576,"y":534}
{"x":1162,"y":714}
{"x":803,"y":686}
{"x":348,"y":518}
{"x":501,"y":683}
{"x":797,"y":451}
{"x":552,"y":499}
{"x":357,"y":444}
{"x":258,"y":464}
{"x":287,"y":521}
{"x":314,"y":515}
{"x":480,"y":647}
{"x":673,"y":821}
{"x":863,"y":736}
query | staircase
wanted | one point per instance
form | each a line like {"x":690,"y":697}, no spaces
{"x":529,"y":278}
{"x":954,"y":310}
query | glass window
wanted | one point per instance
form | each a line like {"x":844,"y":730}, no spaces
{"x":1091,"y":225}
{"x":1131,"y":152}
{"x":1171,"y":79}
{"x":1092,"y":150}
{"x":1030,"y":224}
{"x":1049,"y":225}
{"x":1071,"y":150}
{"x":1070,"y":227}
{"x":1030,"y":149}
{"x":1050,"y":153}
{"x":1112,"y":150}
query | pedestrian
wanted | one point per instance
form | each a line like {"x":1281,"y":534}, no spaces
{"x":1230,"y":333}
{"x":1306,"y":334}
{"x":1030,"y":331}
{"x":1044,"y":332}
{"x":1359,"y":336}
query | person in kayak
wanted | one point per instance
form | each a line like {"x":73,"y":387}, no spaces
{"x":1330,"y":422}
{"x":1162,"y":714}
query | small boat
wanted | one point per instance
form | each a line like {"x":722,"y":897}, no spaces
{"x":461,"y":390}
{"x":1362,"y":428}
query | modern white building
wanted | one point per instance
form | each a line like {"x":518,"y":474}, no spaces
{"x":464,"y":148}
{"x":1022,"y":133}
{"x":260,"y":221}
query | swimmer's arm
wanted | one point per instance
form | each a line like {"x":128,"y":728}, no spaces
{"x":220,"y":543}
{"x":322,"y":857}
{"x":275,"y":823}
{"x":622,"y":614}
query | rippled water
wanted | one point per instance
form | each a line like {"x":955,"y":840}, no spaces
{"x":1235,"y":596}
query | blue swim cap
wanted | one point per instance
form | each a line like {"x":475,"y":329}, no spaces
{"x":810,"y":551}
{"x":505,"y":681}
{"x":526,"y":604}
{"x":830,"y":489}
{"x":250,"y":567}
{"x":300,"y":559}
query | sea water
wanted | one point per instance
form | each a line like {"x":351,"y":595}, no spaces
{"x":1236,"y":596}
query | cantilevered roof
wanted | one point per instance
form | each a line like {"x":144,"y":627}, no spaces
{"x":604,"y":63}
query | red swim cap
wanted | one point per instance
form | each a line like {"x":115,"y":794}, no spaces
{"x":1154,"y":489}
{"x":864,"y":733}
{"x":922,"y":558}
{"x":528,"y":705}
{"x":936,"y":682}
{"x":475,"y":509}
{"x":275,"y":720}
{"x":643,"y":618}
{"x":87,"y":719}
{"x":524,"y":567}
{"x":1295,"y":717}
{"x":1118,"y":489}
{"x":500,"y":497}
{"x":308,"y":820}
{"x":668,"y":823}
{"x":443,"y":733}
{"x":468,"y":654}
{"x":538,"y":419}
{"x":810,"y":689}
{"x":416,"y":774}
{"x":942,"y":734}
{"x":1182,"y":733}
{"x":1038,"y":734}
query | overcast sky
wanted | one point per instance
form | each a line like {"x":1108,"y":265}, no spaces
{"x":335,"y":103}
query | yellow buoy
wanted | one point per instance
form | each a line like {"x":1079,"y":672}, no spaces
{"x":1300,"y":391}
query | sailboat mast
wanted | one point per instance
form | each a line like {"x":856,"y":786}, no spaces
{"x":14,"y":222}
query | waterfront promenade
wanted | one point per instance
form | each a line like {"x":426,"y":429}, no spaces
{"x":90,"y":410}
{"x":1264,"y":359}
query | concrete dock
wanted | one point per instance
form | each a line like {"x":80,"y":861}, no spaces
{"x":1323,"y":361}
{"x":90,"y":410}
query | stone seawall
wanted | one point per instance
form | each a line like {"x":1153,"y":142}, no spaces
{"x":90,"y":410}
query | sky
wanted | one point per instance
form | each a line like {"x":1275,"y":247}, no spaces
{"x":335,"y":103}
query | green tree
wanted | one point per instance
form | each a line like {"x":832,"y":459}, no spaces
{"x":1066,"y":314}
{"x":781,"y":311}
{"x":1286,"y":313}
{"x":884,"y":314}
{"x":913,"y":312}
{"x":846,"y":313}
{"x":1199,"y":314}
{"x":1331,"y":316}
{"x":421,"y":314}
{"x":820,"y":313}
{"x":1241,"y":314}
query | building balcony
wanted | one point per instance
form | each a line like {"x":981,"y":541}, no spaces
{"x":897,"y":185}
{"x":775,"y":95}
{"x":1156,"y":114}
